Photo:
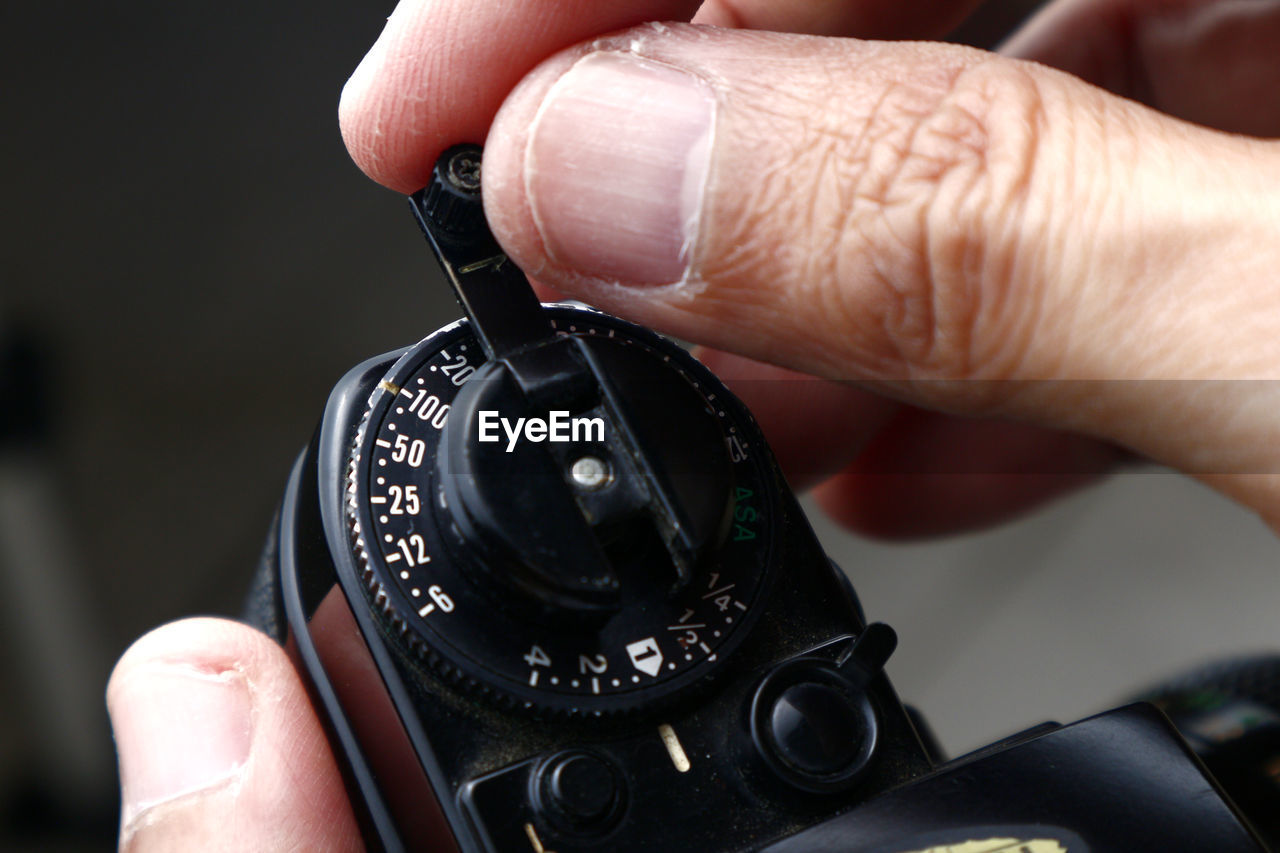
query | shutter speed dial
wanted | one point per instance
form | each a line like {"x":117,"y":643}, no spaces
{"x":551,"y":505}
{"x":578,"y":602}
{"x":621,"y":499}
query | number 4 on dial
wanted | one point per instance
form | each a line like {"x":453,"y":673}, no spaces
{"x":537,"y":657}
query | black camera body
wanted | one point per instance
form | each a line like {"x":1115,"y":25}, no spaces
{"x":551,"y":592}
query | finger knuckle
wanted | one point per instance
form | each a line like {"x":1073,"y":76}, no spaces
{"x":936,"y":224}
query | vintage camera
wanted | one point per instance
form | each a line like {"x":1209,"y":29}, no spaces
{"x":550,"y":592}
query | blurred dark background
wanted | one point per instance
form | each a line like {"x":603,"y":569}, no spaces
{"x":192,"y":260}
{"x":189,"y":261}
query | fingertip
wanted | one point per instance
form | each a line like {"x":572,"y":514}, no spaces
{"x":358,"y":122}
{"x":218,"y":746}
{"x":204,"y":642}
{"x":182,"y":720}
{"x":387,"y":111}
{"x":414,"y":93}
{"x":441,"y":68}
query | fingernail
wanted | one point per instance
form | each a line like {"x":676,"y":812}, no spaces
{"x":177,"y":731}
{"x":616,"y":167}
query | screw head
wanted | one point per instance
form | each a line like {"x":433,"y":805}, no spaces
{"x":463,"y":171}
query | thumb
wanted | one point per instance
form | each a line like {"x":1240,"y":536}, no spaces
{"x":967,"y":232}
{"x":219,"y":748}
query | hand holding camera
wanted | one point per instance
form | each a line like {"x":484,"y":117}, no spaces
{"x":941,"y":261}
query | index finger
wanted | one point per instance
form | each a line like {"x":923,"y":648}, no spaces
{"x":441,"y":68}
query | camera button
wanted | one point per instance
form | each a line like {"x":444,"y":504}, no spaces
{"x":813,"y":726}
{"x":580,"y":791}
{"x":816,"y":728}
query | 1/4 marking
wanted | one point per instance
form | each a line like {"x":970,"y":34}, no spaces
{"x":720,"y":591}
{"x":533,"y":678}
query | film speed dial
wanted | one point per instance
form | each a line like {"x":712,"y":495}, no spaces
{"x":551,"y":505}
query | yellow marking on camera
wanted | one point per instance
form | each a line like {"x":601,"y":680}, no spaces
{"x":535,"y":840}
{"x":495,"y":262}
{"x":998,"y":845}
{"x":389,"y":386}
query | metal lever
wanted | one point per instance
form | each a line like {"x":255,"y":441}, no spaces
{"x":494,"y":293}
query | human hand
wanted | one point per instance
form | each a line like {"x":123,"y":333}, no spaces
{"x":219,"y":746}
{"x":966,"y":233}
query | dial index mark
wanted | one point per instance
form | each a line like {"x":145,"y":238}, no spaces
{"x":674,"y":748}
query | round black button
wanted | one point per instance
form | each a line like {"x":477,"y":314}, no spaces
{"x":817,"y":728}
{"x":582,"y":789}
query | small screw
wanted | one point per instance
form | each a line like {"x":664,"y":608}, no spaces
{"x":464,"y":171}
{"x":590,"y":473}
